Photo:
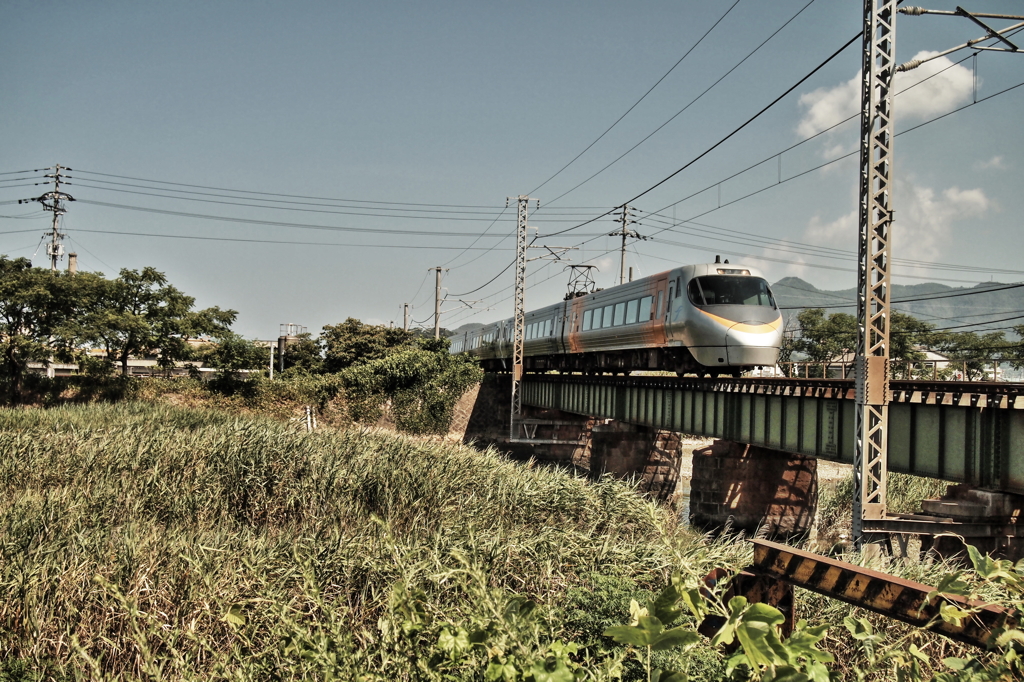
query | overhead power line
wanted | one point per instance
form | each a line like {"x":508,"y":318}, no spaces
{"x":636,"y":103}
{"x":688,"y":105}
{"x":258,"y":241}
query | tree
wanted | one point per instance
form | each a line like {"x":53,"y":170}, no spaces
{"x":303,"y":355}
{"x":352,"y":342}
{"x":40,"y":316}
{"x":906,"y":334}
{"x":139,"y":313}
{"x":1015,"y":350}
{"x":973,"y":351}
{"x":233,"y":352}
{"x":825,"y":339}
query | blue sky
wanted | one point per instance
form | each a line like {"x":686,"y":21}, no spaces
{"x":410,"y":123}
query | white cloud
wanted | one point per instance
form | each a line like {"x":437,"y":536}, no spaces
{"x":917,"y":98}
{"x":995,"y":163}
{"x":924,"y":224}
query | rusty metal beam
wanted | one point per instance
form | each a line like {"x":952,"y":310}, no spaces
{"x":903,"y":600}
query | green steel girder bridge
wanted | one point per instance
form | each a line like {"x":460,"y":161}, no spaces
{"x":965,"y":432}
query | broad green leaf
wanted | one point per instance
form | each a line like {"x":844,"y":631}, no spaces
{"x":753,"y":638}
{"x":953,"y":614}
{"x":551,"y":670}
{"x":727,"y":633}
{"x":695,"y":602}
{"x":628,"y":634}
{"x":954,"y":663}
{"x":787,"y":673}
{"x":235,"y":615}
{"x":636,"y":612}
{"x":951,"y":584}
{"x":663,"y":607}
{"x":860,"y":628}
{"x":918,"y":654}
{"x":673,"y":638}
{"x":818,"y":672}
{"x":765,"y":613}
{"x":652,"y":625}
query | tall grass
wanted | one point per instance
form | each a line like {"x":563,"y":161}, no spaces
{"x":142,"y":541}
{"x":145,"y":540}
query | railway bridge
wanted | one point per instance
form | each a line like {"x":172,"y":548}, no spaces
{"x":971,"y":433}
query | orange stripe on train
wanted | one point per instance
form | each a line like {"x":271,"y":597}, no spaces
{"x":747,"y":328}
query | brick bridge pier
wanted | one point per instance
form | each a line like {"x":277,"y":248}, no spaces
{"x":745,"y":487}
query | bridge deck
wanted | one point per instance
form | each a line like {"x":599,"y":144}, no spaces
{"x":966,"y":432}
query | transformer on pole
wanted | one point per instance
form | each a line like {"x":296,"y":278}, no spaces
{"x":874,"y":258}
{"x":52,"y":201}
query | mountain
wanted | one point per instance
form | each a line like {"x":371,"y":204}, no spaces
{"x":941,"y":305}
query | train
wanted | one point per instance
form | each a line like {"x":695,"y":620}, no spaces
{"x":708,"y":319}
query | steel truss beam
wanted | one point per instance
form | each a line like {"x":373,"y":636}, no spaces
{"x":873,"y":314}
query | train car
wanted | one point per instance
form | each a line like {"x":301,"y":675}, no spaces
{"x":706,"y":319}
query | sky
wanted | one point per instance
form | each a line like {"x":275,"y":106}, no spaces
{"x":306,"y":162}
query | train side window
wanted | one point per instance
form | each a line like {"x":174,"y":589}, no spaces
{"x":645,"y":308}
{"x":661,"y":295}
{"x":631,"y":310}
{"x":693,"y":290}
{"x":620,"y":313}
{"x":671,"y":289}
{"x":606,"y":316}
{"x":587,"y":318}
{"x":547,"y":328}
{"x":597,"y":318}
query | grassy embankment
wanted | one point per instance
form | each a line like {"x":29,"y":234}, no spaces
{"x":140,"y":540}
{"x":151,"y":541}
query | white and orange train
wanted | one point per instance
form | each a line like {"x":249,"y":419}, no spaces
{"x":706,"y":319}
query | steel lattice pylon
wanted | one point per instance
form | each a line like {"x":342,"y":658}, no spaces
{"x":872,"y":412}
{"x":519,"y":319}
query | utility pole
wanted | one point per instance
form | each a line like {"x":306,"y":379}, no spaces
{"x":625,"y":217}
{"x":437,"y":303}
{"x":873,"y":312}
{"x":870,"y":454}
{"x":52,"y":201}
{"x":405,"y":324}
{"x":519,"y":319}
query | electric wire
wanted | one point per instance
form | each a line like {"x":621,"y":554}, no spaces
{"x":724,"y":139}
{"x":691,"y":103}
{"x":636,"y":103}
{"x":261,"y":241}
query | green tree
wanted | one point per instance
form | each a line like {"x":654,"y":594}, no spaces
{"x":906,"y":335}
{"x":40,"y":316}
{"x":352,"y":342}
{"x":139,"y":313}
{"x":232,"y":352}
{"x":303,"y":355}
{"x":1014,"y":352}
{"x":825,"y":339}
{"x":973,"y":351}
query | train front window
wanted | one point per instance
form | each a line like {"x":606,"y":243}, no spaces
{"x":730,"y":290}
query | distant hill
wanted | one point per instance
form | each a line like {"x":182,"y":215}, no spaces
{"x":468,"y":327}
{"x":947,"y":308}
